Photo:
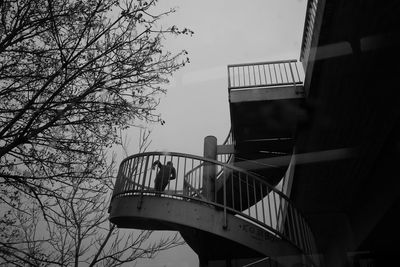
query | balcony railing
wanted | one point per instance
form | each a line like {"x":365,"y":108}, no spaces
{"x":263,"y":74}
{"x":235,"y":191}
{"x":311,"y":13}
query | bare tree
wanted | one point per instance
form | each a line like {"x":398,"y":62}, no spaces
{"x":73,"y":230}
{"x":73,"y":73}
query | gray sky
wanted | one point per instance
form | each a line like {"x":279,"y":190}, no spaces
{"x":196,"y":105}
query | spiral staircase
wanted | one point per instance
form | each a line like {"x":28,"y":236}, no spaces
{"x":230,"y":211}
{"x":243,"y":217}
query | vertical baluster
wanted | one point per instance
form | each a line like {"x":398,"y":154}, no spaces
{"x":248,"y":194}
{"x":140,"y":176}
{"x":290,"y":223}
{"x":224,"y":187}
{"x":195,"y":180}
{"x":265,"y":75}
{"x":287,"y":78}
{"x":198,"y":178}
{"x":248,"y":72}
{"x":276,"y":76}
{"x":255,"y":197}
{"x":262,"y":202}
{"x":162,"y":160}
{"x":192,"y":181}
{"x":192,"y":178}
{"x":132,"y":174}
{"x":297,"y":71}
{"x":254,"y":75}
{"x":185,"y":181}
{"x":153,"y":173}
{"x":159,"y":159}
{"x":122,"y":179}
{"x":150,"y":174}
{"x":117,"y":185}
{"x":145,"y":177}
{"x":306,"y":237}
{"x":259,"y":74}
{"x":303,"y":236}
{"x":280,"y":72}
{"x":299,"y":235}
{"x":215,"y":189}
{"x":275,"y":210}
{"x":244,"y":76}
{"x":291,"y":71}
{"x":270,"y":74}
{"x":232,"y":182}
{"x":169,"y":175}
{"x":126,"y":175}
{"x":240,"y":193}
{"x":238,"y":71}
{"x":231,"y":78}
{"x":139,"y":205}
{"x":280,"y":213}
{"x":296,"y":241}
{"x":269,"y":206}
{"x":201,"y":181}
{"x":284,"y":215}
{"x":188,"y":180}
{"x":177,"y":176}
{"x":240,"y":76}
{"x":282,"y":209}
{"x":130,"y":179}
{"x":136,"y":183}
{"x":234,"y":79}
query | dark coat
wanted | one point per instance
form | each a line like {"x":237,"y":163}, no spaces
{"x":164,"y":175}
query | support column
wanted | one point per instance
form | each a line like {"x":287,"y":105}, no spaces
{"x":210,"y":170}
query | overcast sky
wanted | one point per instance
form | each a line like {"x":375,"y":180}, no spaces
{"x":196,"y":104}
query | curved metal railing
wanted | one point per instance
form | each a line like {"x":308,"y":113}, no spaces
{"x":229,"y":140}
{"x":236,"y":191}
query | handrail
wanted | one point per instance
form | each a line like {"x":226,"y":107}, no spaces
{"x":261,"y":63}
{"x":263,"y":74}
{"x":229,"y":139}
{"x":244,"y":194}
{"x":226,"y":158}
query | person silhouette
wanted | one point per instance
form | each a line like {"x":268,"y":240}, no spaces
{"x":165,"y":174}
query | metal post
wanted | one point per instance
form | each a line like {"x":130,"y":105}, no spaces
{"x":210,"y":170}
